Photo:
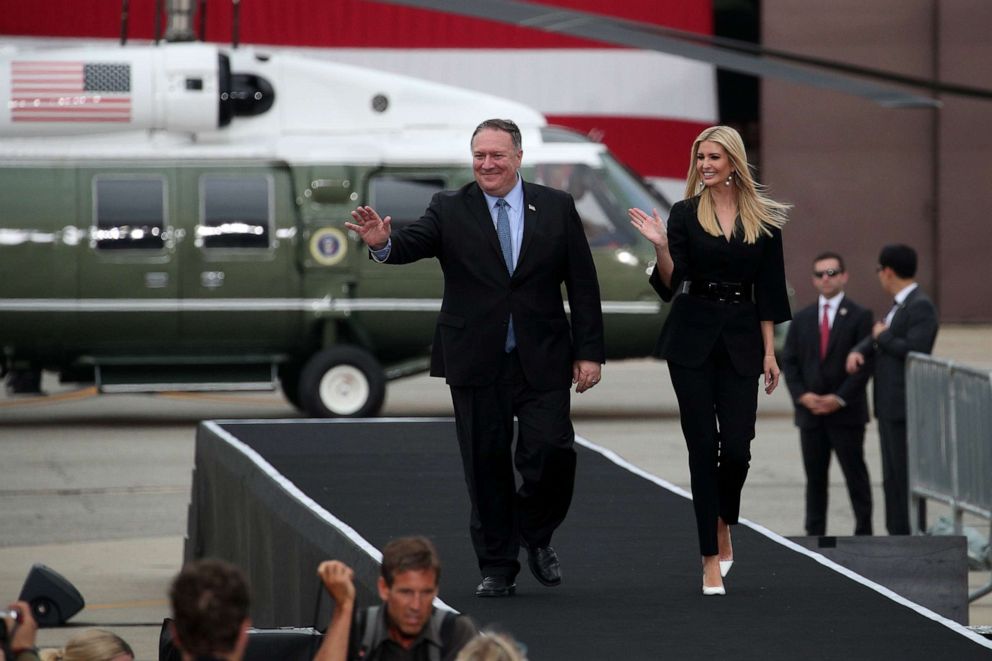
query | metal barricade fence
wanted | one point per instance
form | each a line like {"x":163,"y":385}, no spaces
{"x":949,"y":436}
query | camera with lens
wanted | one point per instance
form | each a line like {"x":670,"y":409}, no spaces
{"x":7,"y":614}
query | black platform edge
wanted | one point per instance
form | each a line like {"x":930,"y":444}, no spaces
{"x":802,"y":550}
{"x":226,"y":464}
{"x":286,"y":591}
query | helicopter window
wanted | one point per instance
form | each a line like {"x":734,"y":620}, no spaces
{"x":403,"y":198}
{"x":236,"y":212}
{"x":602,"y":195}
{"x":602,"y":210}
{"x":634,"y":189}
{"x":129,"y":212}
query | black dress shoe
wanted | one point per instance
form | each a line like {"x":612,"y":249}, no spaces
{"x":543,"y":563}
{"x":495,"y":586}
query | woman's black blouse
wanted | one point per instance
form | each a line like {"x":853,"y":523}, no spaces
{"x":695,"y":324}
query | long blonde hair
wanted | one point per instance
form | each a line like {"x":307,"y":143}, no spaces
{"x":90,"y":645}
{"x":759,"y":214}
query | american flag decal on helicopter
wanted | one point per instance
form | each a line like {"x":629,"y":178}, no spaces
{"x":66,"y":91}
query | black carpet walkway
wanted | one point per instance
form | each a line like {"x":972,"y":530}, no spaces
{"x":630,"y":561}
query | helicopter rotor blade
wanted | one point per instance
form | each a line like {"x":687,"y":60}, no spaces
{"x":630,"y":34}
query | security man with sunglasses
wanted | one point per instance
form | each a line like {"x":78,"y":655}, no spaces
{"x":831,"y":408}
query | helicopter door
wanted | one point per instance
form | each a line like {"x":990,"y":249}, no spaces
{"x":238,"y":284}
{"x":40,"y":242}
{"x":402,"y":301}
{"x":128,"y":281}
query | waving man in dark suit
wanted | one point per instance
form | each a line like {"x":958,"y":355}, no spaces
{"x":831,"y":405}
{"x":911,"y":325}
{"x":505,"y":346}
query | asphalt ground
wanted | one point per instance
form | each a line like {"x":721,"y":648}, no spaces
{"x":96,"y":487}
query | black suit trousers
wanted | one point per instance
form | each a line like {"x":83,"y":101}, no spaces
{"x":717,"y":408}
{"x":503,"y":516}
{"x":895,"y":475}
{"x":848,"y":442}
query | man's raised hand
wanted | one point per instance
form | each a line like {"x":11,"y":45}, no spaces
{"x":338,"y":579}
{"x":373,"y":229}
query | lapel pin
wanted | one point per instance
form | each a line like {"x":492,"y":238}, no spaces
{"x":532,"y":207}
{"x":843,"y":311}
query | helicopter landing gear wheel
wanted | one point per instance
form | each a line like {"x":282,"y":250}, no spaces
{"x":342,"y":382}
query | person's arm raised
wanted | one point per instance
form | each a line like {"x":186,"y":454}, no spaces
{"x":653,"y":229}
{"x":339,"y":580}
{"x":372,"y":229}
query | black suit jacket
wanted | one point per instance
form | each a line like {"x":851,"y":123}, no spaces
{"x":694,"y":324}
{"x":913,"y":328}
{"x":804,"y":372}
{"x":480,"y":295}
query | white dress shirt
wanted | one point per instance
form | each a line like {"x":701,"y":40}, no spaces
{"x":900,"y":299}
{"x":834,"y":306}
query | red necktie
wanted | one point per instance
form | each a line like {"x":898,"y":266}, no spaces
{"x":824,"y":331}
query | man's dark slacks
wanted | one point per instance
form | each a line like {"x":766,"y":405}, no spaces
{"x":895,"y":475}
{"x":718,"y":409}
{"x":503,"y":516}
{"x":848,"y":442}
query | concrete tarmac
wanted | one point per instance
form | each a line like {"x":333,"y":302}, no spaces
{"x":96,"y":487}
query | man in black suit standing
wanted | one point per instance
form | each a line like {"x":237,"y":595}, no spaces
{"x":505,"y":346}
{"x":831,"y":405}
{"x":911,"y":325}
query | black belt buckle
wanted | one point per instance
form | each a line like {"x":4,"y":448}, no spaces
{"x":723,"y":292}
{"x":717,"y":291}
{"x":732,"y":292}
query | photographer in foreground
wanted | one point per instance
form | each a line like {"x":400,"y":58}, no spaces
{"x":405,"y":625}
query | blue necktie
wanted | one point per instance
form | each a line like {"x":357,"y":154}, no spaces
{"x":503,"y":232}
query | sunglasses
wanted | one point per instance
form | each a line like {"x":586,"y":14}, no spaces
{"x":830,"y":272}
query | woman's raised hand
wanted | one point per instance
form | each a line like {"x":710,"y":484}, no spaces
{"x":651,"y":227}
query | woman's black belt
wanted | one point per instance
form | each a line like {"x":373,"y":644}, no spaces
{"x":723,"y":292}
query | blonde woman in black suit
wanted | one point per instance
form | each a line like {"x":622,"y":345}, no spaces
{"x":720,"y":259}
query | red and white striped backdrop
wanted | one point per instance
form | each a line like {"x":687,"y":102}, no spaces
{"x":646,"y":106}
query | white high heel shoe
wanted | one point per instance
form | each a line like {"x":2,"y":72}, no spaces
{"x":713,"y":591}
